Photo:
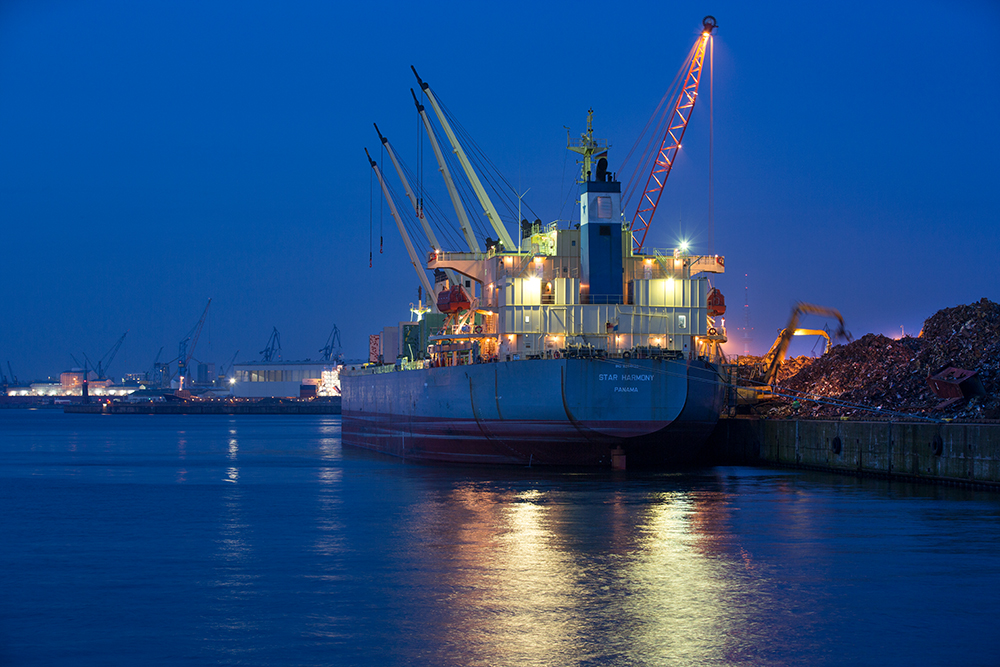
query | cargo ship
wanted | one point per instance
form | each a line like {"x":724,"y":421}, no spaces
{"x":578,"y":351}
{"x":572,"y":347}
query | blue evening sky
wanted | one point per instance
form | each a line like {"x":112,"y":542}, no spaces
{"x":156,"y":154}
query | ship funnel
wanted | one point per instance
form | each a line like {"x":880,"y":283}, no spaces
{"x":602,"y":169}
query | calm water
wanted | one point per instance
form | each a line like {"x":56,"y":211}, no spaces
{"x":128,"y":540}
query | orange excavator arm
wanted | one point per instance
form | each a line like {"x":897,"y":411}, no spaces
{"x":772,"y":360}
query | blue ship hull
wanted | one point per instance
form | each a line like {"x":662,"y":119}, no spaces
{"x":548,"y":411}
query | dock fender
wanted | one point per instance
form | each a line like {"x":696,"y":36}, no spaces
{"x":583,"y":430}
{"x":489,"y":435}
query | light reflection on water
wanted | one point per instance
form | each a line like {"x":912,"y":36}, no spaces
{"x":524,"y":592}
{"x":262,"y":541}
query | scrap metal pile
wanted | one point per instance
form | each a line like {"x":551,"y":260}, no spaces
{"x":879,"y":377}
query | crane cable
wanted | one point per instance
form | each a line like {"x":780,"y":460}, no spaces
{"x":371,"y":212}
{"x":711,"y":146}
{"x":420,"y":160}
{"x":669,"y":95}
{"x":381,"y":160}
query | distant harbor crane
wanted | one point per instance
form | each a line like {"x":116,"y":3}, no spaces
{"x":104,"y":362}
{"x":227,"y":369}
{"x":157,"y":374}
{"x":332,"y":350}
{"x":273,"y":348}
{"x":186,"y":351}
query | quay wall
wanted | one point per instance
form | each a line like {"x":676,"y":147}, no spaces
{"x":933,"y":452}
{"x":331,"y":407}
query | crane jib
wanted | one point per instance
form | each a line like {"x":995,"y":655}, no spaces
{"x":671,"y":142}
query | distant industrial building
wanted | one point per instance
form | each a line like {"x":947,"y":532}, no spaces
{"x":71,"y":384}
{"x":285,"y":379}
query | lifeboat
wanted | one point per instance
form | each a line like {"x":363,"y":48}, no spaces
{"x":716,"y":303}
{"x":453,"y":300}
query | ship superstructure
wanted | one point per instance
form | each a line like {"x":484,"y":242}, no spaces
{"x":581,"y":290}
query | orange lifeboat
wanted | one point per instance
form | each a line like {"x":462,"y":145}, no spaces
{"x":716,"y":302}
{"x":453,"y":300}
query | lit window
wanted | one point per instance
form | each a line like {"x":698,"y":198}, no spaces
{"x":603,"y":208}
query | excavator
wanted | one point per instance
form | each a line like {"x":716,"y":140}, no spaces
{"x":766,"y":371}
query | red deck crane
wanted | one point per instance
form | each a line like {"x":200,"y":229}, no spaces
{"x":671,"y":141}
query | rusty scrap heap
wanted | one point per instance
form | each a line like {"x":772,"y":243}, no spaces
{"x":890,"y":376}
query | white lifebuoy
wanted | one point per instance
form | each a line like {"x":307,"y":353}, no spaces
{"x":712,"y":331}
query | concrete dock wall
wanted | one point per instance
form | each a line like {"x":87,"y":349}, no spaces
{"x":328,"y":407}
{"x":965,"y":453}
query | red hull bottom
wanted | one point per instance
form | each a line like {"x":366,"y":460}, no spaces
{"x":523,"y":443}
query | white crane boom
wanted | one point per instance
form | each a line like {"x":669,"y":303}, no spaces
{"x":477,"y":186}
{"x":417,"y":265}
{"x":452,"y":276}
{"x":406,"y":186}
{"x":463,"y":219}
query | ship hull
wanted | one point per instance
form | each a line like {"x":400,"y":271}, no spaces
{"x":568,"y":412}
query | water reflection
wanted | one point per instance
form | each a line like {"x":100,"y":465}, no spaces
{"x":536,"y":586}
{"x":329,"y":442}
{"x":330,"y":538}
{"x":515,"y":590}
{"x":330,"y":544}
{"x":676,"y":593}
{"x":236,"y":582}
{"x":305,"y":556}
{"x":181,"y":455}
{"x":556,"y":577}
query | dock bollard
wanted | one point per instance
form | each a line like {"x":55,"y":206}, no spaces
{"x":618,"y":459}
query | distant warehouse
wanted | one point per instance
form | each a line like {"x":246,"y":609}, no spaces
{"x":285,"y":379}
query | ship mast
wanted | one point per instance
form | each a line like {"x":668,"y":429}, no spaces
{"x":484,"y":199}
{"x":417,"y":266}
{"x":588,"y":147}
{"x":463,"y":219}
